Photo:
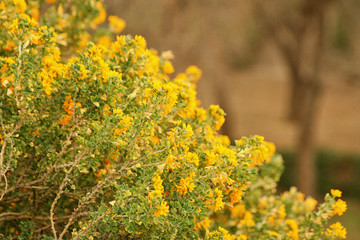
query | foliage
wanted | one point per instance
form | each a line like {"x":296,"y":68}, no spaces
{"x":105,"y":144}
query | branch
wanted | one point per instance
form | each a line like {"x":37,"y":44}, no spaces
{"x":61,"y":190}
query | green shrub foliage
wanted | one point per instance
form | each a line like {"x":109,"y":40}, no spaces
{"x":99,"y":140}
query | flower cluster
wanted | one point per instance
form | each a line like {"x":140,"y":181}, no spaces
{"x":105,"y":143}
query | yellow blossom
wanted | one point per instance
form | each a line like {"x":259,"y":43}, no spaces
{"x":219,"y":204}
{"x":20,"y":6}
{"x":226,"y":235}
{"x":248,"y":219}
{"x":339,"y":207}
{"x":241,"y":237}
{"x":310,"y":203}
{"x":237,"y":211}
{"x":162,"y":209}
{"x":104,"y":41}
{"x":186,"y":184}
{"x":204,"y":224}
{"x":275,"y":234}
{"x":194,"y":72}
{"x":102,"y":14}
{"x":35,"y":13}
{"x":336,"y":193}
{"x":116,"y":24}
{"x":294,"y":229}
{"x":236,"y":195}
{"x":171,"y":162}
{"x":282,"y":211}
{"x":158,"y":187}
{"x":192,"y":158}
{"x":336,"y":230}
{"x":168,"y":67}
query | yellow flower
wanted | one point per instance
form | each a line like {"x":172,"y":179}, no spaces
{"x":158,"y":187}
{"x":20,"y":6}
{"x":219,"y":204}
{"x":275,"y":234}
{"x":339,"y":207}
{"x":192,"y":158}
{"x":168,"y":68}
{"x":84,"y":39}
{"x":336,"y":230}
{"x":194,"y":73}
{"x":204,"y":224}
{"x":248,"y":219}
{"x":2,"y":5}
{"x":336,"y":193}
{"x":116,"y":24}
{"x":162,"y":209}
{"x":237,"y":211}
{"x":104,"y":41}
{"x":50,"y":1}
{"x":171,"y":162}
{"x":282,"y":211}
{"x":226,"y":235}
{"x":241,"y":237}
{"x":118,"y":111}
{"x":9,"y":45}
{"x":218,"y":114}
{"x":310,"y":203}
{"x":211,"y":157}
{"x":35,"y":13}
{"x":186,"y":184}
{"x":102,"y":14}
{"x":294,"y":229}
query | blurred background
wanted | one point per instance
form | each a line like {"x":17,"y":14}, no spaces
{"x":288,"y":70}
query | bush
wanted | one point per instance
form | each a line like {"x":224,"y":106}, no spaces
{"x":101,"y":143}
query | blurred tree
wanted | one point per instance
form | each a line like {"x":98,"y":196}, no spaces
{"x":298,"y":30}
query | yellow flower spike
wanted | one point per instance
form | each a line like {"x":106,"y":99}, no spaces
{"x":226,"y":235}
{"x":241,"y":237}
{"x":339,"y":207}
{"x":336,"y":193}
{"x":237,"y":211}
{"x":102,"y":14}
{"x":116,"y":24}
{"x":35,"y":13}
{"x":336,"y":230}
{"x":194,"y":72}
{"x":192,"y":158}
{"x":186,"y":184}
{"x":20,"y":6}
{"x":310,"y":203}
{"x":294,"y":229}
{"x":158,"y":187}
{"x":248,"y":219}
{"x":282,"y":212}
{"x":168,"y":68}
{"x":162,"y":209}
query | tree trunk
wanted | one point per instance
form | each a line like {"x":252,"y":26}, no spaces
{"x":306,"y":164}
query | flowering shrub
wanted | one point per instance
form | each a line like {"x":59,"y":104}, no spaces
{"x":99,"y":141}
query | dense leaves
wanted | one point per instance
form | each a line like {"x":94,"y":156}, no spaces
{"x":101,"y":142}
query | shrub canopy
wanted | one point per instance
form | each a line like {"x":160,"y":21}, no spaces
{"x":100,"y":140}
